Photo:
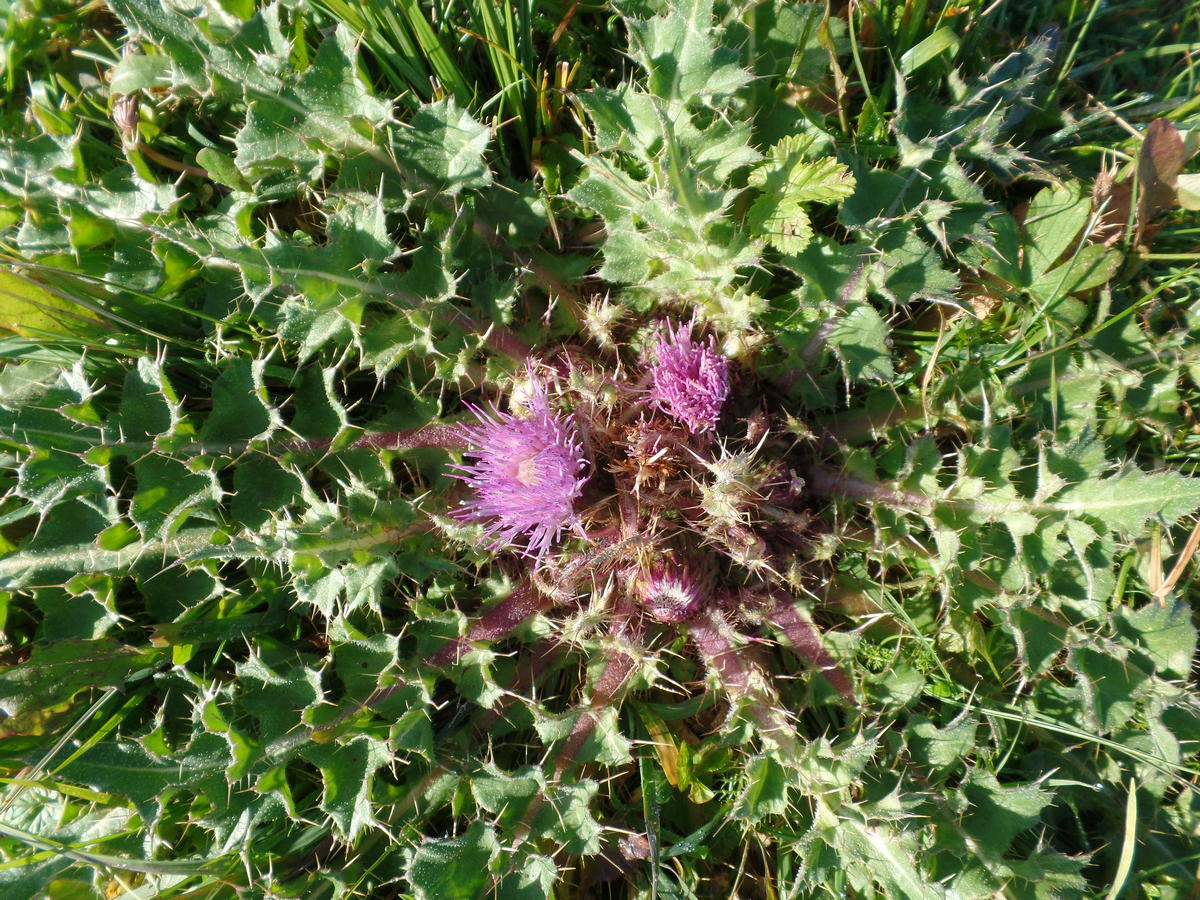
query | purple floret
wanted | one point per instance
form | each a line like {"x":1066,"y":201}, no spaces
{"x":691,"y":379}
{"x":526,"y":474}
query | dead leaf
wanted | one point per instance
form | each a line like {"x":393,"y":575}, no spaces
{"x":1159,"y":164}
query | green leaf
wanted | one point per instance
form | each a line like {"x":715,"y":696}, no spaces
{"x":321,"y":113}
{"x":168,"y":491}
{"x":912,"y":269}
{"x":998,"y":813}
{"x":508,"y":796}
{"x":444,"y":146}
{"x":1111,"y":686}
{"x":606,"y":744}
{"x":1126,"y":501}
{"x":781,"y":221}
{"x":240,"y":411}
{"x":568,"y":818}
{"x":347,"y":769}
{"x":788,"y":172}
{"x":1056,"y":216}
{"x":887,"y":856}
{"x":48,"y":477}
{"x":535,"y":880}
{"x":941,"y":748}
{"x":45,"y":684}
{"x":680,"y":58}
{"x":1165,"y":633}
{"x":147,"y":779}
{"x":28,"y":308}
{"x":766,"y":791}
{"x":262,"y":487}
{"x":454,"y":869}
{"x":860,"y":340}
{"x":1091,"y":266}
{"x":149,"y":406}
{"x":277,"y":691}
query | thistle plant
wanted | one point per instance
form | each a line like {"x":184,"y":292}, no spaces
{"x":665,"y":491}
{"x":782,"y":494}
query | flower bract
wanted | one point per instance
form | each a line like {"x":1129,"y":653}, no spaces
{"x":671,"y":592}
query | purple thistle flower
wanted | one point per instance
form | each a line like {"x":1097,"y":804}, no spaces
{"x":525,"y":473}
{"x":671,"y":592}
{"x":691,"y":379}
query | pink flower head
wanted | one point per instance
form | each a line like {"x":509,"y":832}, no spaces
{"x":525,"y":473}
{"x":671,"y":592}
{"x":691,"y":380}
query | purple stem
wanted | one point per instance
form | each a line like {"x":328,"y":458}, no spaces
{"x":616,"y":673}
{"x":448,"y":437}
{"x":497,"y":622}
{"x":742,"y":675}
{"x":805,"y":640}
{"x":827,"y":482}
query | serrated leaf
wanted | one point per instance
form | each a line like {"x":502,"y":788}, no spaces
{"x":347,"y":770}
{"x":1126,"y":501}
{"x":859,"y":338}
{"x":912,"y":269}
{"x":680,"y":58}
{"x":941,"y":748}
{"x":240,"y":412}
{"x":1165,"y":633}
{"x":321,"y":111}
{"x":454,"y":869}
{"x":535,"y":880}
{"x":998,"y":813}
{"x":167,"y":493}
{"x":788,"y":172}
{"x":507,"y":796}
{"x":766,"y":791}
{"x":782,"y":222}
{"x":444,"y":146}
{"x":48,"y":477}
{"x":606,"y":744}
{"x":128,"y":768}
{"x":1111,"y":686}
{"x":261,"y":487}
{"x":278,"y":699}
{"x":149,"y":406}
{"x":885,"y":856}
{"x":568,"y":818}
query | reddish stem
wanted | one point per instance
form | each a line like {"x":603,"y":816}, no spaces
{"x":616,"y":672}
{"x":497,"y":622}
{"x":805,"y":640}
{"x":448,"y":437}
{"x":742,"y":675}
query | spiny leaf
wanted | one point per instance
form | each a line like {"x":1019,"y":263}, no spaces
{"x":46,"y":683}
{"x":680,"y":58}
{"x":455,"y":868}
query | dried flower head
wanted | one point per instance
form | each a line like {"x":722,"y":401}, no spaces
{"x":691,"y":379}
{"x":526,"y":473}
{"x":671,"y":591}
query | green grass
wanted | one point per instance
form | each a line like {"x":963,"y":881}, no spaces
{"x":256,"y":258}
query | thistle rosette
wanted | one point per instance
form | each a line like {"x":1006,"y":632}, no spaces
{"x":690,"y":379}
{"x":526,"y":473}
